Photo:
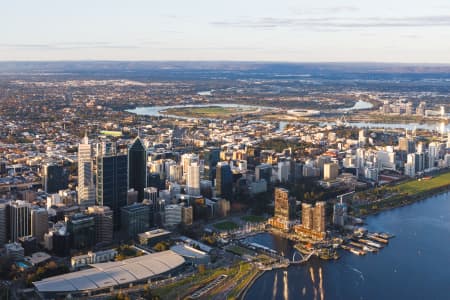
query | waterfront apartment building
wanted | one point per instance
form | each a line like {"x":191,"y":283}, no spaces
{"x":313,"y":221}
{"x":307,"y":216}
{"x":319,"y":217}
{"x":285,"y":206}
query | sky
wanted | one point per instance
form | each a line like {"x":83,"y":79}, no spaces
{"x":408,"y":31}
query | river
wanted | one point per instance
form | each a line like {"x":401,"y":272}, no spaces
{"x":415,"y":264}
{"x":155,"y":111}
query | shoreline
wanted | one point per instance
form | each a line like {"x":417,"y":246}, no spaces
{"x":244,"y":291}
{"x":410,"y":199}
{"x":413,"y":199}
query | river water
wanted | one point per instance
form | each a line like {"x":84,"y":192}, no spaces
{"x":415,"y":264}
{"x":155,"y":111}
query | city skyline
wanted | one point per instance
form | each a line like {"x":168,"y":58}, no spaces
{"x":296,"y":31}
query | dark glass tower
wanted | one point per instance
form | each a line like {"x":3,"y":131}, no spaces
{"x":224,"y":180}
{"x":137,"y":167}
{"x":55,"y":178}
{"x":211,"y":157}
{"x":112,"y":181}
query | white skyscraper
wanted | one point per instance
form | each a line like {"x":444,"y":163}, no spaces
{"x":186,"y":160}
{"x":448,"y":139}
{"x":86,"y":188}
{"x":193,"y":180}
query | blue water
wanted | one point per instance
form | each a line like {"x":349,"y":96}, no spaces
{"x":415,"y":264}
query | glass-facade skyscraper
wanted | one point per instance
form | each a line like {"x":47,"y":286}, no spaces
{"x":112,"y":180}
{"x":137,"y":167}
{"x":224,"y":180}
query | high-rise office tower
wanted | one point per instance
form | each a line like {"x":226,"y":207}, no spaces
{"x":103,"y":220}
{"x":39,"y":223}
{"x":433,"y":154}
{"x":211,"y":158}
{"x":151,"y":199}
{"x":86,"y":188}
{"x":112,"y":180}
{"x":330,"y":171}
{"x":19,"y":217}
{"x":187,"y":215}
{"x":173,"y":215}
{"x":186,"y":160}
{"x":137,"y":167}
{"x":407,"y":144}
{"x":82,"y":231}
{"x":2,"y":168}
{"x":283,"y":170}
{"x":362,"y":139}
{"x":151,"y":193}
{"x":224,"y":181}
{"x":135,"y":219}
{"x":55,"y":178}
{"x":4,"y":222}
{"x":193,"y":180}
{"x":263,"y":171}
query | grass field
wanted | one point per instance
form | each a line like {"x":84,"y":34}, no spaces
{"x":227,"y":225}
{"x":253,"y":219}
{"x":239,"y":250}
{"x":206,"y":111}
{"x":404,"y":193}
{"x":416,"y":187}
{"x":111,"y":133}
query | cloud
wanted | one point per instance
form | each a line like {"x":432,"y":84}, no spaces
{"x":336,"y":23}
{"x":71,"y":45}
{"x":325,"y":10}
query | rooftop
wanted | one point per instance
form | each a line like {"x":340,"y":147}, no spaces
{"x":104,"y":275}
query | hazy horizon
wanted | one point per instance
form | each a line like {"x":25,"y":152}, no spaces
{"x":259,"y":31}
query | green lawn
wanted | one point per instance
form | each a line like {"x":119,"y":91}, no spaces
{"x":227,"y":225}
{"x":111,"y":133}
{"x":253,"y":219}
{"x":239,"y":250}
{"x":416,"y":187}
{"x":206,"y":111}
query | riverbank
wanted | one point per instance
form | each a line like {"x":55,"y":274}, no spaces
{"x":243,"y":293}
{"x":415,"y":256}
{"x":405,"y":193}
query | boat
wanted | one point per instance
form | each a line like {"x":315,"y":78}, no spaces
{"x":303,"y":249}
{"x":357,"y":252}
{"x":378,"y":239}
{"x":371,"y":243}
{"x":357,"y":244}
{"x":328,"y":254}
{"x":370,"y":249}
{"x":385,"y":235}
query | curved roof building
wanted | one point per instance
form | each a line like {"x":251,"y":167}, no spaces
{"x":104,"y":276}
